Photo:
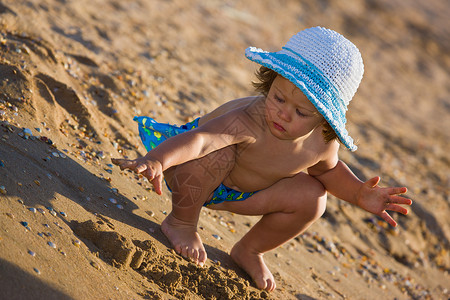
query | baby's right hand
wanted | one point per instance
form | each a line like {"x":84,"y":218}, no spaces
{"x":151,"y":169}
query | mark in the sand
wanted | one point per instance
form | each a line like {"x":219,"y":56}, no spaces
{"x":56,"y":91}
{"x":169,"y":271}
{"x":5,"y":9}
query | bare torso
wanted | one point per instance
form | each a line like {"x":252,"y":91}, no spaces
{"x":268,"y":159}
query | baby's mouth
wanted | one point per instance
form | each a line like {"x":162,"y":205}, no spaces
{"x":278,"y":126}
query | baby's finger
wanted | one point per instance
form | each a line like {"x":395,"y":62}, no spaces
{"x":397,"y":208}
{"x":397,"y":190}
{"x":388,"y":219}
{"x":141,"y":168}
{"x":124,"y":163}
{"x":157,"y":183}
{"x":400,"y":200}
{"x":118,"y":161}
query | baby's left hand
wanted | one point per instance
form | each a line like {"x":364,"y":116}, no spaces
{"x":377,"y":200}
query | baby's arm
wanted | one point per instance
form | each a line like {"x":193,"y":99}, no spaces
{"x":216,"y":134}
{"x":342,"y":183}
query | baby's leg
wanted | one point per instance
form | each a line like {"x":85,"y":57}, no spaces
{"x":192,"y":184}
{"x":288,"y":207}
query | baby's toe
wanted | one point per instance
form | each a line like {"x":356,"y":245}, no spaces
{"x":194,"y":256}
{"x":202,"y":257}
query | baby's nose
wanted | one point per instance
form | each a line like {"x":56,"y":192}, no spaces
{"x":284,"y":115}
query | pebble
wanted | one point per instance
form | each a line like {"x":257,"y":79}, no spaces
{"x":51,"y":244}
{"x":37,"y":271}
{"x":25,"y":224}
{"x":26,"y":133}
{"x":63,"y":214}
{"x":76,"y":243}
{"x":2,"y":190}
{"x":95,"y":265}
{"x":119,"y":206}
{"x":2,"y":164}
{"x":216,"y":237}
{"x":101,"y":155}
{"x":32,"y":253}
{"x":112,"y":200}
{"x":32,"y":209}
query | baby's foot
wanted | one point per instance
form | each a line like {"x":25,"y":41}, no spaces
{"x":184,"y":239}
{"x":253,"y":264}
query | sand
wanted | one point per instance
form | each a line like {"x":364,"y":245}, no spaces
{"x":73,"y":73}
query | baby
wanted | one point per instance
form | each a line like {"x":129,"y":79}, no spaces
{"x":274,"y":155}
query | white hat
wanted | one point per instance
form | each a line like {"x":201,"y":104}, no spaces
{"x":325,"y":66}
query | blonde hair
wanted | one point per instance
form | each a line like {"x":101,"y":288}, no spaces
{"x":266,"y":77}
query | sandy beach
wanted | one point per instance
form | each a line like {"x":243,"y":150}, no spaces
{"x":73,"y":73}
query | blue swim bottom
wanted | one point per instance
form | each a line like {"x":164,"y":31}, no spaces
{"x":224,"y":193}
{"x":153,"y":133}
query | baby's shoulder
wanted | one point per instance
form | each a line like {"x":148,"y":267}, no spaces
{"x":327,"y":157}
{"x":232,"y":108}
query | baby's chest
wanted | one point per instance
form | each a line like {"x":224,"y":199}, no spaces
{"x":269,"y":162}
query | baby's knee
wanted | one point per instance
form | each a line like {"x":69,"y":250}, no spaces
{"x":313,"y":200}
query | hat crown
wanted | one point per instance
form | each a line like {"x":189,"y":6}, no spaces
{"x":338,"y":59}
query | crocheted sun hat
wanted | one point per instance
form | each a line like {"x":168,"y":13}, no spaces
{"x":325,"y":66}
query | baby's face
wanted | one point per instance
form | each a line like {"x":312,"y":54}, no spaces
{"x":289,"y":113}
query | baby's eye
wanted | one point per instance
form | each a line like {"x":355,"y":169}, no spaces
{"x":299,"y":113}
{"x":278,"y":99}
